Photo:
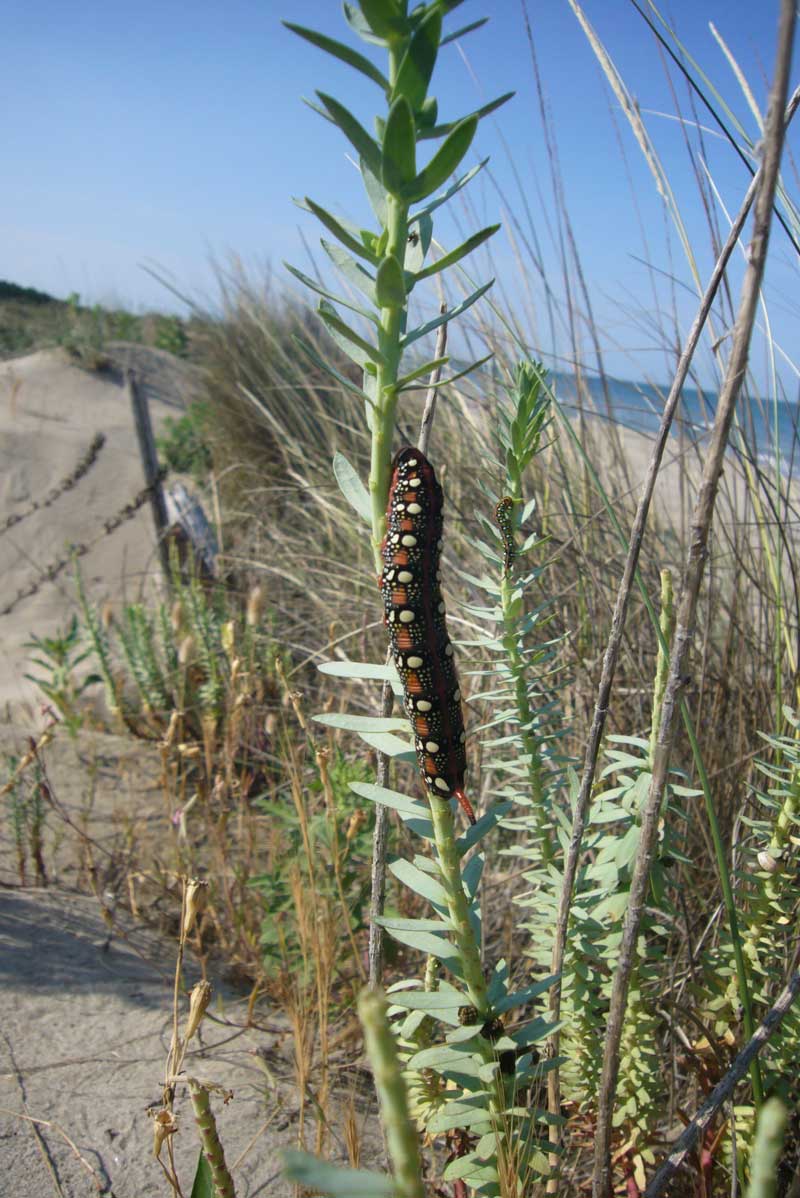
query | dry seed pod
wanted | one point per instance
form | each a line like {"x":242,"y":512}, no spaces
{"x":255,"y":606}
{"x":186,"y":650}
{"x":176,"y":616}
{"x":769,"y":863}
{"x":198,"y":1002}
{"x":164,"y":1125}
{"x":196,"y":895}
{"x":228,"y":637}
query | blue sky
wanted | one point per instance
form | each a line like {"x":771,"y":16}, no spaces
{"x":167,"y":134}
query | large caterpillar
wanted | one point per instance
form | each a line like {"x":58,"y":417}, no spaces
{"x":502,"y":514}
{"x":415,"y":616}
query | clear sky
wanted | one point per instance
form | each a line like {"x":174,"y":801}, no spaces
{"x":168,"y":133}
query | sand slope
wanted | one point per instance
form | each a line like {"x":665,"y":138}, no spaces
{"x":50,"y":410}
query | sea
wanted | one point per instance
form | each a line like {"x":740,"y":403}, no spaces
{"x":762,"y":426}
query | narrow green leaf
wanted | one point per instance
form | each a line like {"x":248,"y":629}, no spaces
{"x":444,"y":196}
{"x":473,"y":1111}
{"x":441,"y":1057}
{"x":349,"y":234}
{"x":476,"y":833}
{"x":391,"y":745}
{"x":358,"y":669}
{"x":426,"y":115}
{"x":424,"y":369}
{"x":356,"y":355}
{"x":361,"y":723}
{"x":390,"y":287}
{"x":416,"y":66}
{"x":384,"y":17}
{"x":452,"y":37}
{"x":342,"y":379}
{"x":415,"y":815}
{"x":414,"y":925}
{"x":388,"y":798}
{"x":430,"y":1000}
{"x":203,"y":1184}
{"x":399,"y":156}
{"x":358,"y":24}
{"x":444,"y":317}
{"x":452,"y":378}
{"x":341,"y":51}
{"x":418,"y":244}
{"x":375,"y":194}
{"x":471,"y":1168}
{"x":354,"y":131}
{"x":477,"y":115}
{"x":353,"y":271}
{"x":521,"y":997}
{"x":335,"y":323}
{"x":443,"y":163}
{"x":454,"y":256}
{"x":323,"y":291}
{"x":421,"y":883}
{"x":432,"y":946}
{"x":357,"y":496}
{"x":333,"y":1180}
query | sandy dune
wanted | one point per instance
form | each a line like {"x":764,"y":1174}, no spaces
{"x":50,"y":410}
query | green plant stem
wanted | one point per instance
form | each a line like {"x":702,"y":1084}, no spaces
{"x":466,"y":942}
{"x":666,"y":623}
{"x":767,"y":1150}
{"x":511,"y":606}
{"x":401,"y":1136}
{"x":383,"y":415}
{"x":212,"y":1145}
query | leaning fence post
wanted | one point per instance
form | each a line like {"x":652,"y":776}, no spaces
{"x":152,"y":474}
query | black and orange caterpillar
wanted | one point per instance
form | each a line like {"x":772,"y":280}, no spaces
{"x":415,"y":616}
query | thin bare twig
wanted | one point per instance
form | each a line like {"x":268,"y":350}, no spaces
{"x":724,"y":1088}
{"x":693,"y":574}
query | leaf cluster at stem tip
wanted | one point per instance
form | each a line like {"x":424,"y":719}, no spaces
{"x":386,"y":262}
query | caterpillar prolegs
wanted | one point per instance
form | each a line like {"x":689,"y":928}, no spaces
{"x":415,"y":616}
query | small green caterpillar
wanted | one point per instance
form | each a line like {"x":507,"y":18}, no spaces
{"x":502,"y":514}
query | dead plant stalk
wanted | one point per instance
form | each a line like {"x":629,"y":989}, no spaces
{"x":615,"y":640}
{"x":693,"y":574}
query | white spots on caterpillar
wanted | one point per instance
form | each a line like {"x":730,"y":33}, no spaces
{"x":405,"y":576}
{"x":395,"y":538}
{"x":429,"y":779}
{"x":409,"y":541}
{"x":441,"y":784}
{"x":423,"y":705}
{"x":389,"y":575}
{"x":415,"y":482}
{"x":391,"y":616}
{"x":448,"y":650}
{"x":406,"y":616}
{"x":413,"y":663}
{"x":456,"y":695}
{"x":411,"y":462}
{"x":413,"y":509}
{"x":462,"y":738}
{"x":440,"y":607}
{"x":432,"y":746}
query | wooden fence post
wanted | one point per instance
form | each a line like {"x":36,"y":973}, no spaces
{"x":152,"y":474}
